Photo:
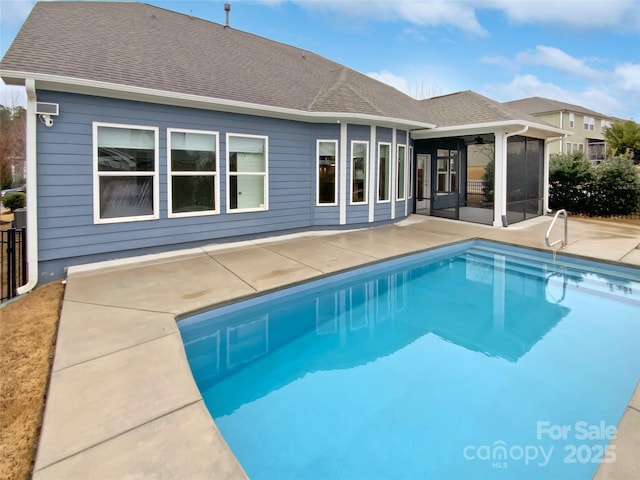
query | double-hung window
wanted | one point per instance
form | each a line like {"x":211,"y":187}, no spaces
{"x":193,"y":172}
{"x":384,"y":171}
{"x":326,"y":151}
{"x":401,"y":171}
{"x":359,"y":170}
{"x":125,"y":159}
{"x":572,"y":120}
{"x":247,"y":166}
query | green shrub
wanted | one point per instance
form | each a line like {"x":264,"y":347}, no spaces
{"x":617,"y":189}
{"x":13,"y":201}
{"x":571,"y":182}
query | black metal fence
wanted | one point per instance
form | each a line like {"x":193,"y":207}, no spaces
{"x":475,"y":193}
{"x":13,"y":261}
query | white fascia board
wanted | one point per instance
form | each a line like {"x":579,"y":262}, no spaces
{"x":487,"y":127}
{"x":127,"y":92}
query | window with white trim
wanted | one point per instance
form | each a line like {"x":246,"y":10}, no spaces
{"x":193,"y":172}
{"x":326,"y":151}
{"x":125,"y":173}
{"x":572,"y":120}
{"x":401,"y":171}
{"x":247,"y":166}
{"x":589,"y":123}
{"x":384,"y":171}
{"x":359,"y":170}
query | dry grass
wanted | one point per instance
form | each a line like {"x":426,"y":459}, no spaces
{"x":28,"y":328}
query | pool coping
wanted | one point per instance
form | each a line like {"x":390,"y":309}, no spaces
{"x":91,"y":426}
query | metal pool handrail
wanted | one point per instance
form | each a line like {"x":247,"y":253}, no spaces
{"x":553,"y":222}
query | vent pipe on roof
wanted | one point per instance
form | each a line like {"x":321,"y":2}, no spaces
{"x":227,"y":9}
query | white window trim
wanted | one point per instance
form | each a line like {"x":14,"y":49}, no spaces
{"x":265,"y":206}
{"x":404,"y":180}
{"x":171,"y":174}
{"x":367,"y":173}
{"x":97,"y":175}
{"x":572,"y":120}
{"x":335,"y":194}
{"x":378,"y":173}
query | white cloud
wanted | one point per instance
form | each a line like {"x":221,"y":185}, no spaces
{"x":13,"y":12}
{"x":555,"y":58}
{"x":500,"y":61}
{"x":613,"y":92}
{"x":396,"y":81}
{"x":425,"y":13}
{"x":462,"y":14}
{"x":627,"y":77}
{"x":593,"y":97}
{"x":582,"y":14}
{"x":412,"y":35}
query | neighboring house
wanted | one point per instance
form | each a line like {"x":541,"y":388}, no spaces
{"x":586,"y":125}
{"x":149,"y":130}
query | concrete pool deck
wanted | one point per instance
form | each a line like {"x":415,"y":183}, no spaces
{"x":122,"y":401}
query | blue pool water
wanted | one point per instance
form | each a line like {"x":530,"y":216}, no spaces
{"x":476,"y":360}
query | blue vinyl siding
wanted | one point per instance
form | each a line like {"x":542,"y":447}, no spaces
{"x":68,"y":235}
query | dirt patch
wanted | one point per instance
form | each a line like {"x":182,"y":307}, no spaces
{"x":28,"y":328}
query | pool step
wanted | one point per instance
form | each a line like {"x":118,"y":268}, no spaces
{"x":561,"y":272}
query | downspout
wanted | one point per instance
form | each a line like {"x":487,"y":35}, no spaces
{"x":32,"y":192}
{"x":503,"y":180}
{"x":545,"y":173}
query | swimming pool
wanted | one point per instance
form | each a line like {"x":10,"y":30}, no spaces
{"x":467,"y":361}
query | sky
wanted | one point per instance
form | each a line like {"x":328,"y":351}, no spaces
{"x":585,"y":52}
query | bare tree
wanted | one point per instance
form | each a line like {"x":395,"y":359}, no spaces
{"x":421,"y":91}
{"x":12,"y":142}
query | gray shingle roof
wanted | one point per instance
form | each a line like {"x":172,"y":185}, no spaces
{"x":465,"y":108}
{"x":143,"y":46}
{"x":538,"y":105}
{"x":135,"y":44}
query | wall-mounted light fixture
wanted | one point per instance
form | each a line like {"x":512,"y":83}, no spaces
{"x":45,"y":111}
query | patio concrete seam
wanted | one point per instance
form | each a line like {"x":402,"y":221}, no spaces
{"x":119,"y":434}
{"x":320,"y":272}
{"x":121,"y":307}
{"x":234,"y":273}
{"x":168,"y":334}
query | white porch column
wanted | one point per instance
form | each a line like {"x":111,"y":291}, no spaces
{"x":500,"y":178}
{"x":392,"y":173}
{"x":373,"y":155}
{"x":342,"y":177}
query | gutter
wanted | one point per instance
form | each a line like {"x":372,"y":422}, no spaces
{"x":32,"y":192}
{"x":485,"y":127}
{"x":83,"y":86}
{"x":518,"y":132}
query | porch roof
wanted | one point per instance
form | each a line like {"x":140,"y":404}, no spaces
{"x":469,"y":113}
